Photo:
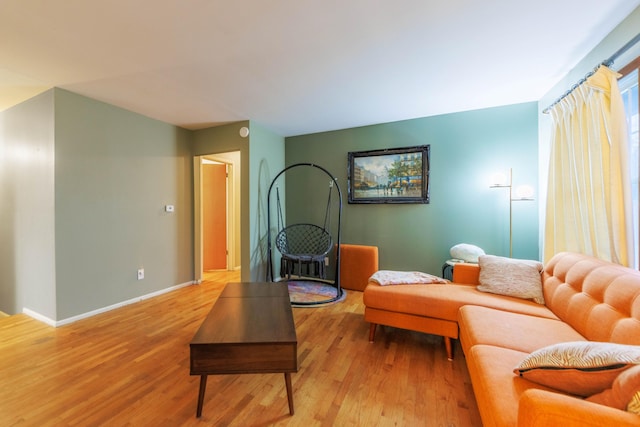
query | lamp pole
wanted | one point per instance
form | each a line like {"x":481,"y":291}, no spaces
{"x":510,"y":212}
{"x":508,"y":185}
{"x":526,"y":196}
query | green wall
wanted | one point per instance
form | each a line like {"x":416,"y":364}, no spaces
{"x":114,"y":173}
{"x":100,"y":176}
{"x":267,"y":156}
{"x":84,"y":186}
{"x":223,"y":139}
{"x":262,"y":157}
{"x":466,"y":150}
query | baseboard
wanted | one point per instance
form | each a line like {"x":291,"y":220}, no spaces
{"x":38,"y":316}
{"x":56,"y":323}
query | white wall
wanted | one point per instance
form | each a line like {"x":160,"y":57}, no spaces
{"x":27,"y":238}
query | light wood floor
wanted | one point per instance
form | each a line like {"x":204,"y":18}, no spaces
{"x":130,"y":367}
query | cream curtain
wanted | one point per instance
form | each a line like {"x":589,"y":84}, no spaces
{"x":589,"y":194}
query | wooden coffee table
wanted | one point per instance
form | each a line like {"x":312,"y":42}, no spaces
{"x":249,"y":330}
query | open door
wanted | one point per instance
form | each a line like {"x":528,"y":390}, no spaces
{"x":214,"y":216}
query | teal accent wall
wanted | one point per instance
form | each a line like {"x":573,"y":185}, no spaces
{"x":467,"y":148}
{"x":267,"y":157}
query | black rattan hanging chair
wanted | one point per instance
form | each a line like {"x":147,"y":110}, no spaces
{"x":305,"y":245}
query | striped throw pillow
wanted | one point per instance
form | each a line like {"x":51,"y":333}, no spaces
{"x":582,"y":368}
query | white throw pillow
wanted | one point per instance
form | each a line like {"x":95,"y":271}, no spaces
{"x":511,"y":277}
{"x":466,"y":252}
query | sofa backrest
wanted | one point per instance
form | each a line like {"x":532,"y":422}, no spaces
{"x":599,"y":299}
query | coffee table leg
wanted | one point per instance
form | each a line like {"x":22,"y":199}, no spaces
{"x":287,"y":380}
{"x":203,"y":386}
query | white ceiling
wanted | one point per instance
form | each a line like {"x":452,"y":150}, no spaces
{"x":297,"y":66}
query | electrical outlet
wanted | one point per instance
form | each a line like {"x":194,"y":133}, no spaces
{"x":326,"y":261}
{"x":140,"y":273}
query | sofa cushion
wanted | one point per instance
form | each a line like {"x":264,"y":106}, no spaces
{"x":582,"y":368}
{"x":624,"y":392}
{"x":496,"y":389}
{"x":443,"y":301}
{"x":482,"y":325}
{"x":512,"y":277}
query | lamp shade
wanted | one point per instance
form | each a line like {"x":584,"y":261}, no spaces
{"x":524,"y":192}
{"x":499,"y":179}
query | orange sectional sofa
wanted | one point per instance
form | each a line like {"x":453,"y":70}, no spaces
{"x":586,"y":299}
{"x":357,"y":264}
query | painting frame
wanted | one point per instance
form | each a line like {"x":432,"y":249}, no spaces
{"x":389,"y":176}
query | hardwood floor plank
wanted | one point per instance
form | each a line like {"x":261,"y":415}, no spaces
{"x":130,"y":367}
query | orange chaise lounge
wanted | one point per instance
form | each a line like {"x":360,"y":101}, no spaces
{"x":587,"y":302}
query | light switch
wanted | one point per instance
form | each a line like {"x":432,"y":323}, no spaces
{"x":168,"y":208}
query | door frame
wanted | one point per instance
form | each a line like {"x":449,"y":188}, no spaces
{"x":233,"y":240}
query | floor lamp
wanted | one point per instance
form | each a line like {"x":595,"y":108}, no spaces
{"x":523,"y":193}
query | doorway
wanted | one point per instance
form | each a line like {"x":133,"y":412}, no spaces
{"x":216,"y":213}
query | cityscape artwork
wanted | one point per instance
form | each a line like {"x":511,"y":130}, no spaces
{"x":395,"y":175}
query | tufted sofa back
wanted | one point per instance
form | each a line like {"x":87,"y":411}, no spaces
{"x":599,"y":299}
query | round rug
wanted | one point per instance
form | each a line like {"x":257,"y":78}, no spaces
{"x":309,"y":293}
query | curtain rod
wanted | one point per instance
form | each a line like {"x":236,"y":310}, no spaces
{"x":607,"y":63}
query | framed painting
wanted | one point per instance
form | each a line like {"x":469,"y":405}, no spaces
{"x":395,"y":175}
